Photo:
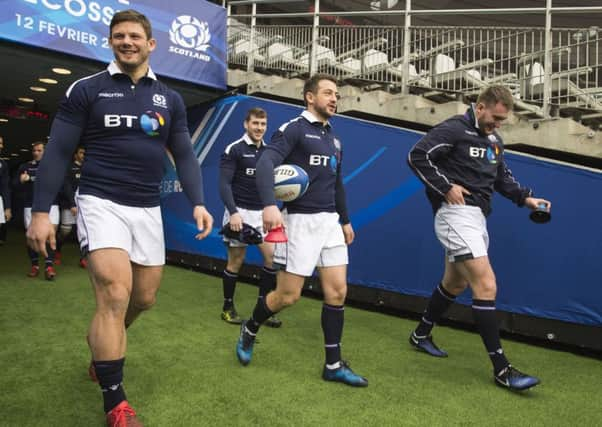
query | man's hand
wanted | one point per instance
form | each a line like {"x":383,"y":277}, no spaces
{"x":204,"y":221}
{"x":455,"y":195}
{"x":24,"y":177}
{"x":8,"y":214}
{"x":39,"y":232}
{"x":235,"y":222}
{"x":272,"y":218}
{"x":348,"y":233}
{"x":73,"y":211}
{"x":533,"y":203}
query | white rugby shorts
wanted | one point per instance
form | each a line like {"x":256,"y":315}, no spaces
{"x":462,"y":230}
{"x":251,"y":217}
{"x":103,"y":224}
{"x":67,"y":218}
{"x":314,"y":240}
{"x":53,"y":213}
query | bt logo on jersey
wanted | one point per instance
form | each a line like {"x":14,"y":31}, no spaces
{"x":250,"y":171}
{"x":477,"y":152}
{"x":320,"y":160}
{"x":491,"y":153}
{"x":115,"y":120}
{"x":150,"y":122}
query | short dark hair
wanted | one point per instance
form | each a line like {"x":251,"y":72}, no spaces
{"x":494,"y":94}
{"x":131,"y":15}
{"x":256,"y":112}
{"x":35,"y":144}
{"x":311,"y":84}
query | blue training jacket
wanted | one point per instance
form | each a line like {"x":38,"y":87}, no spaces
{"x":458,"y":152}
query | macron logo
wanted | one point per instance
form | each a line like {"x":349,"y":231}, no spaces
{"x":111,"y":95}
{"x":312,"y":136}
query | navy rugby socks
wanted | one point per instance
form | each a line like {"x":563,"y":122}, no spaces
{"x":267,"y":281}
{"x":50,"y":258}
{"x":333,"y":318}
{"x":229,"y":285}
{"x":110,"y":377}
{"x":33,"y":256}
{"x":483,"y":312}
{"x":261,"y":313}
{"x":438,"y":304}
{"x":59,"y":241}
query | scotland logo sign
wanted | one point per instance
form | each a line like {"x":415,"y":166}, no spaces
{"x":190,"y":33}
{"x":191,"y":37}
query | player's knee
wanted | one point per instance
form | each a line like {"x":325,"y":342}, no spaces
{"x":289,"y":299}
{"x":455,"y":288}
{"x":233,"y":267}
{"x":113,"y":298}
{"x":234,"y":263}
{"x":491,"y":290}
{"x":145,"y":302}
{"x":486,"y":290}
{"x":336,"y":296}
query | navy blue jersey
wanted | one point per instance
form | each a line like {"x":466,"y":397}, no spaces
{"x":26,"y":188}
{"x":71,"y":185}
{"x":4,"y":184}
{"x":308,"y":143}
{"x":458,"y":152}
{"x":74,"y":174}
{"x":125,"y":128}
{"x":237,"y":175}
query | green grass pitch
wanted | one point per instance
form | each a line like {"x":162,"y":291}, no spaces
{"x":181,"y":368}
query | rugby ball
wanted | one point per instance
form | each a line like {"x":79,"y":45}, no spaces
{"x":290,"y":182}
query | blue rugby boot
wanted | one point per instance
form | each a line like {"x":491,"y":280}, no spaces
{"x":244,"y":347}
{"x":426,"y":345}
{"x":513,"y":379}
{"x":344,"y":374}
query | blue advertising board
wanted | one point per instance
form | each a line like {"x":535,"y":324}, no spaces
{"x":190,"y":34}
{"x":550,"y":271}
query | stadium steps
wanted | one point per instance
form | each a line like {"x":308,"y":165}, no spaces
{"x":525,"y":126}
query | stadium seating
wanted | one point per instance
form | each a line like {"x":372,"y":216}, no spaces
{"x":443,"y":64}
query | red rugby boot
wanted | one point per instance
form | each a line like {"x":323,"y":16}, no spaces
{"x":35,"y":270}
{"x":50,"y":273}
{"x":123,"y":415}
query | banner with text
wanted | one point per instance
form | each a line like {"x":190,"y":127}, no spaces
{"x":190,"y":34}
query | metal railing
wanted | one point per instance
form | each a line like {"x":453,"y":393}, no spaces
{"x":548,"y":70}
